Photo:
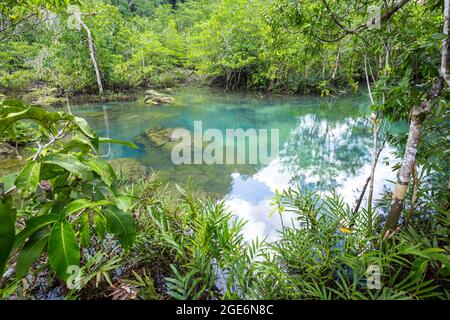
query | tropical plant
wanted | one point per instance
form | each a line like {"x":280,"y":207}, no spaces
{"x":62,"y":193}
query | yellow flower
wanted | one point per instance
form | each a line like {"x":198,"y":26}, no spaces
{"x":345,"y":230}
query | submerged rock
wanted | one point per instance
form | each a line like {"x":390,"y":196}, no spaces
{"x":129,"y":169}
{"x":154,"y":97}
{"x":158,"y":137}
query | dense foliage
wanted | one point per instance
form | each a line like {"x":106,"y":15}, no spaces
{"x":67,"y":210}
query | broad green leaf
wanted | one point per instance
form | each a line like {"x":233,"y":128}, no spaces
{"x":16,"y":103}
{"x":438,"y":36}
{"x":30,"y":252}
{"x":125,"y":143}
{"x":33,"y":225}
{"x":84,"y":127}
{"x":80,"y":204}
{"x":120,"y":224}
{"x":85,"y":230}
{"x":11,"y":114}
{"x":63,"y":250}
{"x":70,"y":164}
{"x":28,"y":178}
{"x":50,"y":171}
{"x":100,"y":225}
{"x":77,"y":205}
{"x":104,"y":170}
{"x":123,"y":202}
{"x":8,"y":181}
{"x":7,"y":232}
{"x":78,"y":142}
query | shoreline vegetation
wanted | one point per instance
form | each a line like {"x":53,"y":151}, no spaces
{"x":74,"y":226}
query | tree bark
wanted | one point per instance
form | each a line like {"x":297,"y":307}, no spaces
{"x":336,"y":64}
{"x":418,"y":116}
{"x":445,"y":61}
{"x":376,"y":130}
{"x":91,"y":51}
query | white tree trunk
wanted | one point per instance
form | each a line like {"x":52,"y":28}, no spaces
{"x":91,"y":51}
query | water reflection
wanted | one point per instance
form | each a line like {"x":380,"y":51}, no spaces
{"x":324,"y":145}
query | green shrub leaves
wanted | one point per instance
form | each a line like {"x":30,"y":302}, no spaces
{"x":63,"y":250}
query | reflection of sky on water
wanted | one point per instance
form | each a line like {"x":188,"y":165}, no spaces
{"x":251,"y":196}
{"x":324,"y":145}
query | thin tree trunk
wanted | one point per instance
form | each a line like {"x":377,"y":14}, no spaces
{"x":363,"y":192}
{"x":336,"y":64}
{"x":418,"y":116}
{"x":91,"y":52}
{"x":445,"y":62}
{"x":376,"y":130}
{"x":368,"y":81}
{"x":412,"y":205}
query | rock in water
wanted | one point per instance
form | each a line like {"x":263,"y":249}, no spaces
{"x":154,"y":97}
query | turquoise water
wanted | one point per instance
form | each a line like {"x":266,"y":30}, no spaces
{"x":325,"y":144}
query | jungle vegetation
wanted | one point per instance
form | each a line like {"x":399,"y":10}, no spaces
{"x":151,"y":240}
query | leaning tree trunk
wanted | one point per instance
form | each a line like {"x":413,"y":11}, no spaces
{"x":418,"y":116}
{"x":91,"y":52}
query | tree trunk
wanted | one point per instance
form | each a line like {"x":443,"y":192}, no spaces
{"x":376,"y":130}
{"x":418,"y":116}
{"x":445,"y":62}
{"x":91,"y":52}
{"x":336,"y":64}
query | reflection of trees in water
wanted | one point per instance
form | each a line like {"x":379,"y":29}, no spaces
{"x":319,"y":149}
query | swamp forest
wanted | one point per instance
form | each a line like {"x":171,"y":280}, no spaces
{"x":224,"y":149}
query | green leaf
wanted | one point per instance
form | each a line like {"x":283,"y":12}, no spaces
{"x":28,"y":178}
{"x":438,"y":36}
{"x":100,"y":225}
{"x":7,"y":232}
{"x":123,"y":202}
{"x":30,"y":252}
{"x":85,"y":232}
{"x":11,"y":114}
{"x":125,"y":143}
{"x":33,"y":225}
{"x":63,"y":250}
{"x":8,"y":181}
{"x":104,"y":170}
{"x":81,"y":204}
{"x":51,"y":171}
{"x":77,"y":205}
{"x":70,"y":164}
{"x":120,"y":224}
{"x":84,"y":127}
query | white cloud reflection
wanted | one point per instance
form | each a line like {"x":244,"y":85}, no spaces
{"x":250,"y":197}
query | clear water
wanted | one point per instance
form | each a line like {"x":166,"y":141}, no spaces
{"x":325,"y":144}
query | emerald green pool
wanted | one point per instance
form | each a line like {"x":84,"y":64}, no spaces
{"x":325,"y":144}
